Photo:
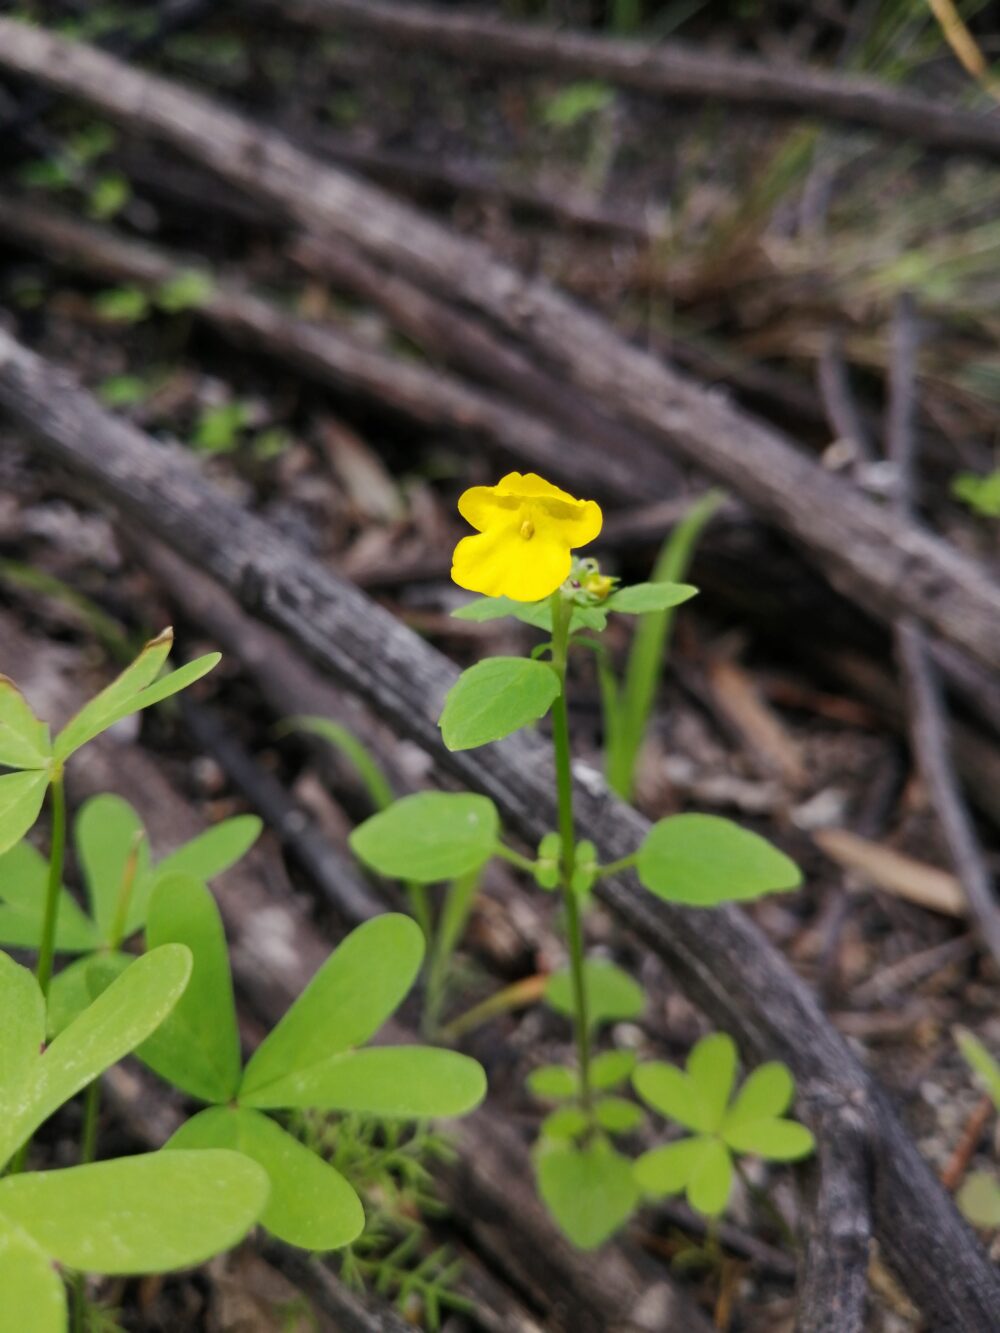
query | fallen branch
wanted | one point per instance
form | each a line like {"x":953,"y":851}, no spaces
{"x":833,"y":1293}
{"x":929,"y":728}
{"x":889,"y":566}
{"x":332,"y":356}
{"x":676,"y":71}
{"x":724,"y":962}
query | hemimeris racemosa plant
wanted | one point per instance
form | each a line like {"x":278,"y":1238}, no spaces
{"x":173,"y":1007}
{"x":522,"y":561}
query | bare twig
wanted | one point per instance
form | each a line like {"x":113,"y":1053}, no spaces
{"x":674,"y":70}
{"x":928,"y":716}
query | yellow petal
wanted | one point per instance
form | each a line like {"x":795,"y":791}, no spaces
{"x":583,"y":525}
{"x":500,"y":563}
{"x":531,"y":486}
{"x":484,"y":506}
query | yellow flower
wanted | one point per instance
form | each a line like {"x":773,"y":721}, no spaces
{"x":526,"y":530}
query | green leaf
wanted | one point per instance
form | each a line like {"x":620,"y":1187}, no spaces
{"x":109,"y":836}
{"x":617,"y":1115}
{"x":143,"y":1214}
{"x":576,"y":102}
{"x":310,"y":1204}
{"x":979,"y":1199}
{"x":109,"y":196}
{"x":24,"y":740}
{"x":121,"y":305}
{"x":568,"y":1122}
{"x":429,"y":837}
{"x":668,"y":1090}
{"x":400,"y":1082}
{"x":495,"y":698}
{"x":711,"y":1070}
{"x":981,"y":1062}
{"x":667,"y":1170}
{"x":214,"y":851}
{"x":611,"y":1068}
{"x":122,"y":391}
{"x":21,"y":797}
{"x":553,"y":1082}
{"x":704,"y":860}
{"x":187,"y":290}
{"x":197,"y":1048}
{"x":643,"y":597}
{"x":777,"y":1140}
{"x":589,"y":1191}
{"x":219,"y":427}
{"x":34,"y":1297}
{"x":128,"y":1011}
{"x":24,"y":874}
{"x":611,"y":993}
{"x":711,"y":1180}
{"x":347,"y":744}
{"x":767,"y":1093}
{"x":91,"y":720}
{"x":70,"y":992}
{"x":22,"y":1032}
{"x":346,"y":1002}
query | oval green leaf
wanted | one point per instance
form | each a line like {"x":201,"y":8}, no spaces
{"x":590,"y":1191}
{"x":429,"y":837}
{"x":404,"y":1082}
{"x":197,"y":1047}
{"x":34,"y":1297}
{"x":24,"y":740}
{"x":704,"y":860}
{"x":21,"y":797}
{"x":642,"y":597}
{"x":144,"y":1214}
{"x":345,"y":1003}
{"x":495,"y":698}
{"x":310,"y":1205}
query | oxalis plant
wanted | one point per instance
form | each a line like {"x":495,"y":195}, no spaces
{"x":522,"y":561}
{"x":234,"y":1162}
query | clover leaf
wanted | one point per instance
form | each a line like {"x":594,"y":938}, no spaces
{"x":700,"y":1099}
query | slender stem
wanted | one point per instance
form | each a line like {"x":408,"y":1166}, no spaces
{"x":613,"y":867}
{"x":562,"y":612}
{"x":56,"y":855}
{"x":91,"y":1110}
{"x":515,"y":858}
{"x":125,"y":891}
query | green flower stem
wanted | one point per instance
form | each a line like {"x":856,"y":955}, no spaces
{"x":515,"y":858}
{"x":57,"y":853}
{"x":613,"y":867}
{"x":562,"y":612}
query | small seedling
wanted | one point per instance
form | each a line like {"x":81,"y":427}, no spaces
{"x":979,"y":1197}
{"x":143,"y":1214}
{"x":521,"y":559}
{"x":723,"y":1127}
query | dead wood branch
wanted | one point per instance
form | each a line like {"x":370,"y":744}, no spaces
{"x":834,"y":1289}
{"x":929,"y":727}
{"x":889,"y":566}
{"x":332,"y":356}
{"x":675,"y":71}
{"x":723,"y":961}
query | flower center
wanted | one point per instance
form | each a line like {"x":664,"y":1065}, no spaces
{"x":527,"y":529}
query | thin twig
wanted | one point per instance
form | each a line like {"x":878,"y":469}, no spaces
{"x":929,"y":728}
